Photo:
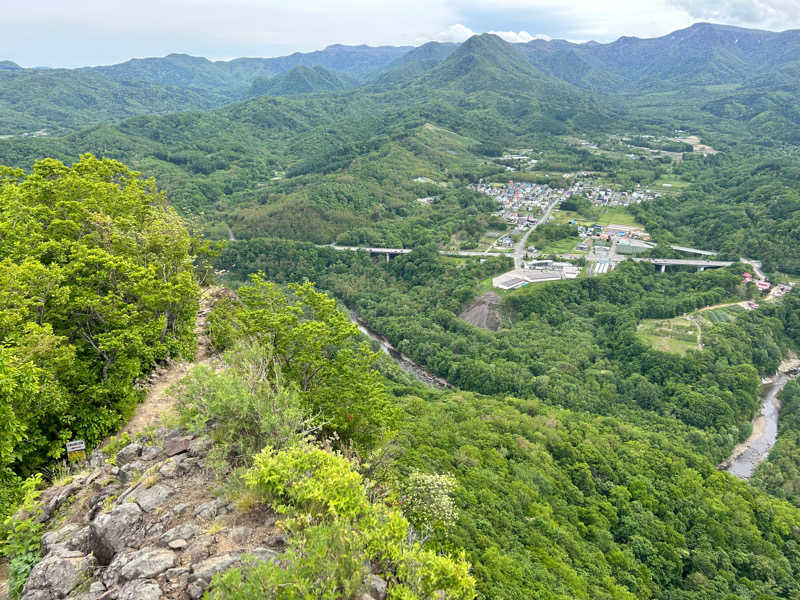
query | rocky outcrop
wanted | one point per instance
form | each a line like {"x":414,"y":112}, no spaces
{"x":146,"y":525}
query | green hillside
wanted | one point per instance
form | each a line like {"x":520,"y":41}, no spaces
{"x":301,"y":80}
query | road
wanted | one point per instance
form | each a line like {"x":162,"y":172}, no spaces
{"x":756,"y":266}
{"x":519,"y":250}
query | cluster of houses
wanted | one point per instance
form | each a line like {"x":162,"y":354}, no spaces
{"x":587,"y":184}
{"x":519,"y":198}
{"x":522,"y":202}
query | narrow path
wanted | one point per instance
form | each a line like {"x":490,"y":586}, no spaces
{"x":158,"y":402}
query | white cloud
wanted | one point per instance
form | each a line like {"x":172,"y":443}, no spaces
{"x":454,"y":33}
{"x":779,"y":14}
{"x":519,"y":37}
{"x":459,"y":33}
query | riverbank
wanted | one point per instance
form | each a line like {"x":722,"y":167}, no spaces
{"x":747,"y":455}
{"x":404,"y":362}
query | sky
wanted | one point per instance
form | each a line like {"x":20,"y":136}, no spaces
{"x":68,"y":33}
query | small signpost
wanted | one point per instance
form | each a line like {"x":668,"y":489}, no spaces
{"x":76,"y":450}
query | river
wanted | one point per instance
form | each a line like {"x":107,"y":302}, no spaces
{"x":401,"y":359}
{"x":751,"y":453}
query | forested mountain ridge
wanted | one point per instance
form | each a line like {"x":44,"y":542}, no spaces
{"x":700,"y":56}
{"x":301,"y":80}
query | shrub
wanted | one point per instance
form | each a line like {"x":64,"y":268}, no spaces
{"x":337,"y":533}
{"x":22,"y":546}
{"x":247,"y":406}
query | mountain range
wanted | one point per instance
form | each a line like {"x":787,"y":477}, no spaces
{"x":731,"y":72}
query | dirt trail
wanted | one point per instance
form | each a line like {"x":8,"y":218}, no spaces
{"x":158,"y":402}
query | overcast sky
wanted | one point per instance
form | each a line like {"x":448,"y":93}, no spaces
{"x":94,"y":32}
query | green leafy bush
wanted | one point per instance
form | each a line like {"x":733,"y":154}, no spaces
{"x":246,"y":406}
{"x":336,"y":534}
{"x":316,"y":348}
{"x":21,"y":538}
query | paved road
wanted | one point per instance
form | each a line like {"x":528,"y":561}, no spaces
{"x":519,"y":250}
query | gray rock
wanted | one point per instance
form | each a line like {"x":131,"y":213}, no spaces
{"x":151,"y":498}
{"x":187,"y":465}
{"x":179,"y":509}
{"x":178,"y":544}
{"x":196,"y":589}
{"x":97,"y":459}
{"x":155,"y":530}
{"x":168,"y":469}
{"x":151,"y":452}
{"x":130,"y":471}
{"x":184,"y":532}
{"x":110,"y":532}
{"x":177,"y":445}
{"x":376,"y":587}
{"x":63,"y":551}
{"x":48,"y":539}
{"x":145,"y":564}
{"x":211,"y":566}
{"x":37,"y":595}
{"x":240,"y":535}
{"x":128,"y":453}
{"x":177,"y":573}
{"x":62,"y":496}
{"x":97,"y":587}
{"x":59,"y":575}
{"x":140,"y":590}
{"x":208,"y":510}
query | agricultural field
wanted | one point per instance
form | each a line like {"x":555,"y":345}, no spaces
{"x":724,"y":314}
{"x":677,"y":336}
{"x":604,"y":215}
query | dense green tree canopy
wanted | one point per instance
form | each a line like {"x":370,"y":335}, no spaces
{"x":96,"y":285}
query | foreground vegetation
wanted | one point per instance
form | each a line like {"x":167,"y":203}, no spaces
{"x":97,"y":285}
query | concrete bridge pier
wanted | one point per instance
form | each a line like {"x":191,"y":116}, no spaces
{"x":663,"y":268}
{"x":700,"y":269}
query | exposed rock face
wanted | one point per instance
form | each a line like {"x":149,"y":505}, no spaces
{"x":140,"y":529}
{"x":150,"y":529}
{"x":58,"y":574}
{"x":110,"y":532}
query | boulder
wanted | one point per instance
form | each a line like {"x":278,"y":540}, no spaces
{"x":128,"y":453}
{"x":216,"y":564}
{"x":151,"y":452}
{"x":177,"y":445}
{"x":140,"y":590}
{"x":151,"y":498}
{"x":208,"y":510}
{"x":145,"y":564}
{"x":184,"y":532}
{"x":178,"y":544}
{"x":58,"y":575}
{"x":376,"y":587}
{"x":110,"y":532}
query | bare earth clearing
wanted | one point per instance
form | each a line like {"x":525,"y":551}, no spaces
{"x":484,"y":312}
